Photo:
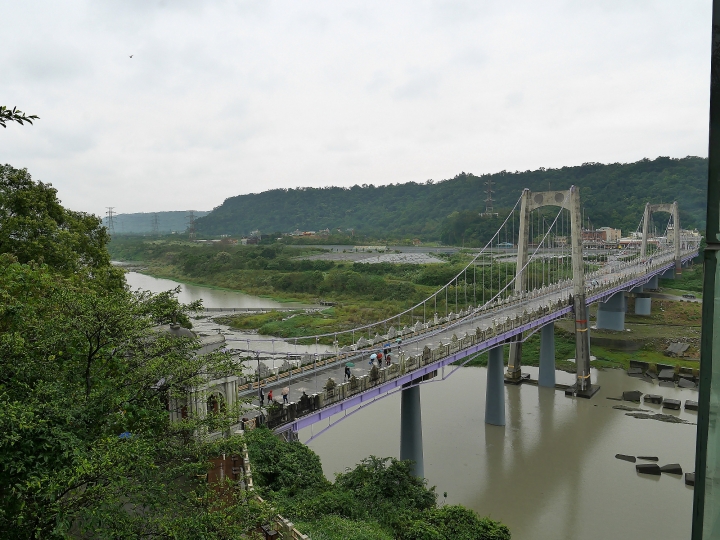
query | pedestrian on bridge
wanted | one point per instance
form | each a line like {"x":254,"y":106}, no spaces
{"x":261,"y":395}
{"x":285,"y":393}
{"x":348,"y":373}
{"x":379,"y":359}
{"x":270,"y":399}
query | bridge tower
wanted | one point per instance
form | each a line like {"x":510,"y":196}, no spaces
{"x":671,"y":209}
{"x":570,"y":200}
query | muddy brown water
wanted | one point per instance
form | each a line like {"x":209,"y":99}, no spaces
{"x":551,"y":472}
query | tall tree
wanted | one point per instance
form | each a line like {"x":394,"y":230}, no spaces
{"x":34,"y":226}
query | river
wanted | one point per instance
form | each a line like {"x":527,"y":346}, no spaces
{"x":549,"y":474}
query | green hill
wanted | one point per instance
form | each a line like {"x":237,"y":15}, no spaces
{"x":612,"y":194}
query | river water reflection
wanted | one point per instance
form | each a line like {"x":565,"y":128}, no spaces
{"x":212,"y":298}
{"x":549,"y":474}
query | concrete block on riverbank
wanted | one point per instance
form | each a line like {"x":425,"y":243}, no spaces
{"x":648,"y":468}
{"x":673,"y":404}
{"x":653,"y":398}
{"x":686,"y":383}
{"x":672,"y":468}
{"x":632,"y":395}
{"x":691,"y":405}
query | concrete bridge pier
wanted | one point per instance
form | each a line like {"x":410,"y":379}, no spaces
{"x":643,"y":304}
{"x":495,"y":391}
{"x":546,"y":373}
{"x":611,"y":313}
{"x":652,"y":284}
{"x":411,"y":445}
{"x":669,"y":273}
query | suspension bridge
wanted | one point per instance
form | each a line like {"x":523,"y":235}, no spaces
{"x":490,"y":303}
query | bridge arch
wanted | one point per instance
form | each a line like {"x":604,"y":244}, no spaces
{"x":570,"y":200}
{"x":672,"y":209}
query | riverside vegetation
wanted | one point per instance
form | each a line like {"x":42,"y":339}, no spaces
{"x":86,"y":379}
{"x":377,"y":500}
{"x":370,"y":292}
{"x":364,"y":293}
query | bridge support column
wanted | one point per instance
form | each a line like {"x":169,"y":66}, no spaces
{"x":611,"y":313}
{"x":652,"y":284}
{"x":513,"y":374}
{"x":495,"y":391}
{"x":411,"y":446}
{"x":669,"y":273}
{"x":642,"y":304}
{"x":546,"y":373}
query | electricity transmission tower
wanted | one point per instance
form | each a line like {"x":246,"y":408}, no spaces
{"x":190,"y":218}
{"x":110,"y":219}
{"x":155,"y":227}
{"x":489,"y":199}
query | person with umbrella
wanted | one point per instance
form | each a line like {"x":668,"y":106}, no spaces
{"x":348,"y":373}
{"x":373,"y":357}
{"x":285,"y":392}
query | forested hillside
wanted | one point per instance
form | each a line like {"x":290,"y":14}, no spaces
{"x":613,"y":195}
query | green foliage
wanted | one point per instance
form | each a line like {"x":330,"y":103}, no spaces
{"x":78,"y":367}
{"x":15,"y":115}
{"x":281,"y":467}
{"x":332,"y":527}
{"x":378,"y":499}
{"x":34,"y":226}
{"x":387,"y":485}
{"x":613,"y":195}
{"x":691,"y":279}
{"x":82,"y":362}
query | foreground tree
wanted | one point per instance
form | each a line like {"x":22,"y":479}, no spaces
{"x":86,"y":378}
{"x":85,"y":440}
{"x":34,"y":226}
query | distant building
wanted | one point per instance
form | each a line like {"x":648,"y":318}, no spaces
{"x":593,"y":237}
{"x":611,"y":235}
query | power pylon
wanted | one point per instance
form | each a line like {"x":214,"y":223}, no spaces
{"x":190,"y":218}
{"x":489,"y":199}
{"x":110,"y":221}
{"x":155,"y":226}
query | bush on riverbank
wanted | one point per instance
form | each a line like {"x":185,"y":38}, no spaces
{"x":377,"y":500}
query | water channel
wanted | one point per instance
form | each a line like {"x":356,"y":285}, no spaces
{"x":549,"y":474}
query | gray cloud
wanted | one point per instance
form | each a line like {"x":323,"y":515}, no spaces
{"x":236,"y":96}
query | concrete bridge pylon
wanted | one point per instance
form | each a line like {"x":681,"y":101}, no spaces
{"x":569,"y":200}
{"x":672,"y":209}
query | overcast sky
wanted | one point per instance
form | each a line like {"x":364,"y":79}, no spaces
{"x":229,"y":97}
